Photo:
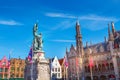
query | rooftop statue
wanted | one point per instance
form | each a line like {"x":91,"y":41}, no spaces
{"x":37,"y":41}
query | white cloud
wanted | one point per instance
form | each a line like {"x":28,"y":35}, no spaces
{"x":64,"y":25}
{"x":60,"y":40}
{"x":91,"y":22}
{"x":83,"y":17}
{"x":59,"y":15}
{"x":10,"y":22}
{"x":97,"y":18}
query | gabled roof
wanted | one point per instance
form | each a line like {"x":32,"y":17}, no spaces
{"x":61,"y":61}
{"x":97,"y":47}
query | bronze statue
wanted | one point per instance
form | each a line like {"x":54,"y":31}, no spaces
{"x":37,"y":42}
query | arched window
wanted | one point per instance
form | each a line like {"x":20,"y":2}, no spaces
{"x":99,"y":67}
{"x":86,"y":69}
{"x":96,"y":68}
{"x":111,"y":66}
{"x":93,"y":68}
{"x":103,"y":67}
{"x":107,"y":66}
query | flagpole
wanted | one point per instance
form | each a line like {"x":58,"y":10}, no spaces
{"x":32,"y":64}
{"x":64,"y":68}
{"x":91,"y":72}
{"x":64,"y":72}
{"x":9,"y":65}
{"x":51,"y":69}
{"x":91,"y":64}
{"x":78,"y":69}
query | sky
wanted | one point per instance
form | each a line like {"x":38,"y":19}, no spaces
{"x":56,"y":21}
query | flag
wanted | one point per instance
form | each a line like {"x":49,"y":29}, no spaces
{"x":91,"y":62}
{"x":65,"y":62}
{"x":30,"y":55}
{"x":9,"y":61}
{"x":76,"y":62}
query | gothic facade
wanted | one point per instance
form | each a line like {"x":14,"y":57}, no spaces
{"x":100,"y":61}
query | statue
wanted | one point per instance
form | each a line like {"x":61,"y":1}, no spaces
{"x":37,"y":42}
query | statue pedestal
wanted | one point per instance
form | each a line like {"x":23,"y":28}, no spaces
{"x":38,"y":55}
{"x":43,"y":70}
{"x":42,"y":66}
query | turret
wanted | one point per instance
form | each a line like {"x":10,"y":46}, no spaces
{"x":66,"y":50}
{"x":105,"y":39}
{"x":108,"y":30}
{"x":111,"y":37}
{"x":113,"y":28}
{"x":113,"y":53}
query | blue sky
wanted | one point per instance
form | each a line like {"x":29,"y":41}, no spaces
{"x":57,"y":20}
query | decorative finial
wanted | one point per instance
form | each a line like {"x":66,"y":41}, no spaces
{"x":113,"y":28}
{"x":112,"y":23}
{"x":77,"y":22}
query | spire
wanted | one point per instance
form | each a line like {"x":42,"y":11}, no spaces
{"x":111,"y":38}
{"x":78,"y":39}
{"x":108,"y":30}
{"x":78,"y":27}
{"x":113,"y":28}
{"x":66,"y":50}
{"x":77,"y":22}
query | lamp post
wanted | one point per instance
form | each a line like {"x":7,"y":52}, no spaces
{"x":91,"y":64}
{"x":91,"y":73}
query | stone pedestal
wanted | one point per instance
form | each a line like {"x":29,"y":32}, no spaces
{"x":43,"y":70}
{"x":42,"y":66}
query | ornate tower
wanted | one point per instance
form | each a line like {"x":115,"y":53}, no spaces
{"x":79,"y":39}
{"x":113,"y":53}
{"x":108,"y":30}
{"x":80,"y":53}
